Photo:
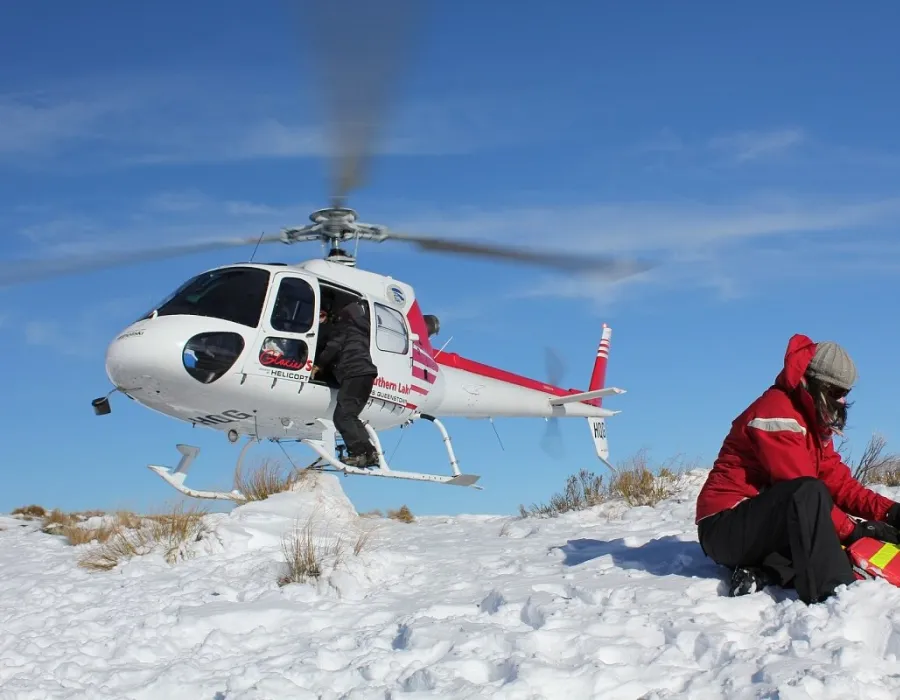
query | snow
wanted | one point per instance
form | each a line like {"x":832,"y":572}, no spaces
{"x":611,"y":602}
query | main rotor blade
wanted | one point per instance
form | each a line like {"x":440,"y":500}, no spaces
{"x":612,"y":267}
{"x":23,"y":271}
{"x":361,"y":46}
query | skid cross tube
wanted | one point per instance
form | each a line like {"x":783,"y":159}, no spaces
{"x":385,"y":470}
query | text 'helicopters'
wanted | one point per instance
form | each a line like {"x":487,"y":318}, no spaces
{"x":232,"y":349}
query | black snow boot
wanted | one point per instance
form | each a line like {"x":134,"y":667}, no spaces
{"x":749,"y":579}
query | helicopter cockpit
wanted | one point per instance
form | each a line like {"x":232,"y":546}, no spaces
{"x":233,"y":294}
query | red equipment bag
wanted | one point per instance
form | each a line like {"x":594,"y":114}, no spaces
{"x":873,"y":558}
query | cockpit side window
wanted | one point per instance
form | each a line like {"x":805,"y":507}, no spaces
{"x":294,"y":306}
{"x":390,"y":330}
{"x":233,"y":294}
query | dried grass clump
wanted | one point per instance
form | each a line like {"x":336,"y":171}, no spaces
{"x":130,"y":536}
{"x":583,"y":490}
{"x":633,"y":481}
{"x":266,"y":480}
{"x":29,"y":512}
{"x":637,"y":485}
{"x":307,"y":551}
{"x":403,"y":514}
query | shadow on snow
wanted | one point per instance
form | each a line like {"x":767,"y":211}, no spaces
{"x":666,"y":556}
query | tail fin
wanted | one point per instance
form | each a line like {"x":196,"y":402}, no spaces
{"x":598,"y":378}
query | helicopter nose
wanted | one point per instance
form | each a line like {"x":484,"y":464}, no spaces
{"x":156,"y":356}
{"x":143,"y":359}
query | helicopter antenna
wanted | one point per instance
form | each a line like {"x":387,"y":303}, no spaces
{"x":257,"y":246}
{"x":443,"y":346}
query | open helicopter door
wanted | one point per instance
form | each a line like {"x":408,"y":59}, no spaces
{"x":392,"y":399}
{"x":281,"y":357}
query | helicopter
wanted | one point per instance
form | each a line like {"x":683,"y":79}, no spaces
{"x":234,"y":347}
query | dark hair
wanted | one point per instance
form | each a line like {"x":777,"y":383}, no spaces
{"x":832,"y":412}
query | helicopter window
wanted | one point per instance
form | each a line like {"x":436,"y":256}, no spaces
{"x":283,"y":353}
{"x":233,"y":294}
{"x":390,"y":330}
{"x":294,"y":306}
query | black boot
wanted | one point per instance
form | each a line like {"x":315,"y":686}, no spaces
{"x":749,"y":579}
{"x":363,"y":460}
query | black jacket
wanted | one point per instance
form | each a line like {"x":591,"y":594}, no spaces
{"x":346,"y":353}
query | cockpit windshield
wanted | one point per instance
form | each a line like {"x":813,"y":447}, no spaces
{"x":233,"y":294}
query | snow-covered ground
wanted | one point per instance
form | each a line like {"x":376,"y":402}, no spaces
{"x":608,"y":603}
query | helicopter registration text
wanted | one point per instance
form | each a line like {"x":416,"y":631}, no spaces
{"x":230,"y":416}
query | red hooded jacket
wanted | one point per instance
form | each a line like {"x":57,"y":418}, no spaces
{"x":777,"y":438}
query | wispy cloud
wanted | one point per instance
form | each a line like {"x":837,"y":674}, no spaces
{"x":698,"y":244}
{"x":735,"y":148}
{"x":753,"y":145}
{"x":84,"y":334}
{"x":153,"y":120}
{"x":43,"y":126}
{"x":656,"y":226}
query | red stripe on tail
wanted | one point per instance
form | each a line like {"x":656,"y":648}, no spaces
{"x":598,"y":376}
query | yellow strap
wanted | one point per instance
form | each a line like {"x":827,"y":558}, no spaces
{"x":883,"y":556}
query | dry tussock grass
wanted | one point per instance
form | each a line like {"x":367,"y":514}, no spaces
{"x":122,"y":534}
{"x":633,"y":482}
{"x":308,"y":550}
{"x":31,"y":512}
{"x":133,"y":535}
{"x":403,"y":514}
{"x":267,"y":479}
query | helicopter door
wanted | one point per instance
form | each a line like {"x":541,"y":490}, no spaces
{"x":287,"y":331}
{"x":392,"y":353}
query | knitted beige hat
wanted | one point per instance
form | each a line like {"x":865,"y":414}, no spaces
{"x":832,"y":364}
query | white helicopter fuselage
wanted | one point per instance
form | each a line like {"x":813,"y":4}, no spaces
{"x":237,"y":357}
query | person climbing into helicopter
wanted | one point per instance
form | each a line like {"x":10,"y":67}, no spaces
{"x":323,"y":335}
{"x":347,"y":356}
{"x":776,"y":506}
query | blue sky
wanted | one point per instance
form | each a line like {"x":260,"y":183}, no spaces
{"x":753,"y":151}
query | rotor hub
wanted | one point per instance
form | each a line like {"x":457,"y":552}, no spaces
{"x":334,"y":225}
{"x":335,"y":219}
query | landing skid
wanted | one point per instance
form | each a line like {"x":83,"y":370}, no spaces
{"x":384,"y":470}
{"x":176,"y":477}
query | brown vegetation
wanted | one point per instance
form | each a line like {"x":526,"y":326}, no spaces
{"x":633,"y":481}
{"x":875,"y":466}
{"x":307,"y":551}
{"x":266,"y":480}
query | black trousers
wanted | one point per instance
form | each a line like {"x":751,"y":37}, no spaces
{"x":353,"y":393}
{"x":786,"y":530}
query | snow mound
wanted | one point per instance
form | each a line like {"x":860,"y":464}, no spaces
{"x":611,"y":602}
{"x":317,"y":501}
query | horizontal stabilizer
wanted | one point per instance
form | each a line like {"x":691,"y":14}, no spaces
{"x":586,"y":396}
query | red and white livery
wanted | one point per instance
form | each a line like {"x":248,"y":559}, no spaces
{"x":232,"y":350}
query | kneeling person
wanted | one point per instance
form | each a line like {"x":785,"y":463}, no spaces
{"x":775,"y":507}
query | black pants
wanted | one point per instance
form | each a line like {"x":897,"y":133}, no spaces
{"x":353,"y":393}
{"x":786,"y":530}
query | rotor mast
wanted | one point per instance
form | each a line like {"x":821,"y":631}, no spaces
{"x":335,"y":225}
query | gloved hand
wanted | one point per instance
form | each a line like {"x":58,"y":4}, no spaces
{"x":893,"y":516}
{"x":876,"y":530}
